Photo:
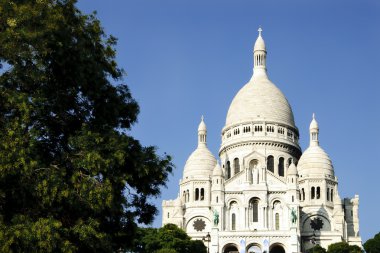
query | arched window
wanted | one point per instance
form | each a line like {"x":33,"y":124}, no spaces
{"x":187,"y":196}
{"x":318,"y":192}
{"x":292,"y":198}
{"x":217,"y":199}
{"x":303,"y":194}
{"x":328,"y":194}
{"x":236,"y":165}
{"x":196,"y":194}
{"x":313,"y":192}
{"x":289,"y":161}
{"x":253,"y":164}
{"x":277,"y":218}
{"x":184,"y":196}
{"x":202,"y":193}
{"x":281,"y":167}
{"x":168,"y":215}
{"x":332,"y":194}
{"x":254,"y":206}
{"x":270,"y":163}
{"x":228,"y":170}
{"x":233,"y":221}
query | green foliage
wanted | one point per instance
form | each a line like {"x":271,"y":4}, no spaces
{"x":169,"y":239}
{"x":166,"y":251}
{"x":316,"y":249}
{"x":343,"y":247}
{"x":355,"y":249}
{"x":373,"y":245}
{"x":71,"y":177}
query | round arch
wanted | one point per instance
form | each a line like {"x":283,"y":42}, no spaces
{"x":320,"y":220}
{"x":254,"y":199}
{"x":230,"y":248}
{"x":254,"y":248}
{"x":313,"y":215}
{"x":277,"y":248}
{"x":274,"y":199}
{"x":229,"y":201}
{"x":253,"y":156}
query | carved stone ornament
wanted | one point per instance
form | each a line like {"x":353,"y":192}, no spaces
{"x":199,"y":225}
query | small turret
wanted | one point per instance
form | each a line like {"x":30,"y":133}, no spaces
{"x":217,"y":187}
{"x":292,"y":180}
{"x":292,"y":169}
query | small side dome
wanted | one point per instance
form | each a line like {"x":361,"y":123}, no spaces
{"x":315,"y":161}
{"x":292,"y":170}
{"x":217,"y":170}
{"x":201,"y":163}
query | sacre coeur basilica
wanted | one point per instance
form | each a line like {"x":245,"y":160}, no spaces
{"x":263,"y":194}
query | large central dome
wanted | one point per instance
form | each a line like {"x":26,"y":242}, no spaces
{"x":260,"y":99}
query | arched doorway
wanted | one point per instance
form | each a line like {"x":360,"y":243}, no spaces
{"x":230,"y":248}
{"x":254,"y":249}
{"x":277,"y":249}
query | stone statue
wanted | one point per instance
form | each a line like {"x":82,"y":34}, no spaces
{"x":216,"y":218}
{"x":294,"y":216}
{"x":255,"y":175}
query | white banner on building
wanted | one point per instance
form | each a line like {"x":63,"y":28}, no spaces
{"x":242,"y":246}
{"x":266,"y":245}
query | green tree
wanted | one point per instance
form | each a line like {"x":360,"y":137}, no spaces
{"x":343,"y":247}
{"x":316,"y":249}
{"x":373,"y":245}
{"x":166,"y":251}
{"x":71,"y":176}
{"x":169,"y":238}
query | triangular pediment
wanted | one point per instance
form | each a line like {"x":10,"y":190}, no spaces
{"x":275,"y":180}
{"x":254,"y":155}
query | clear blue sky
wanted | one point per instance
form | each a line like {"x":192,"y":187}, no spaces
{"x":188,"y":58}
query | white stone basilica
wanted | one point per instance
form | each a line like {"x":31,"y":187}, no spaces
{"x":265,"y":195}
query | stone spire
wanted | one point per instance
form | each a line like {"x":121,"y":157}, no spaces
{"x":314,"y":132}
{"x":259,"y":56}
{"x":202,"y":133}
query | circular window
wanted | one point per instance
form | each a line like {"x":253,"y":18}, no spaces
{"x":199,"y":224}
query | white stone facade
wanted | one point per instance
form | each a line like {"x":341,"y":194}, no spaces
{"x":267,"y":194}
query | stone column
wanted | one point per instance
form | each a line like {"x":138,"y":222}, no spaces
{"x":214,"y":244}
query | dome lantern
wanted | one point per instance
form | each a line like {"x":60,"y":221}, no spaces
{"x":202,"y":132}
{"x":314,"y":131}
{"x":259,"y":56}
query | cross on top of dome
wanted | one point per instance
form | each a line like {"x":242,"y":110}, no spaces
{"x":260,"y":30}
